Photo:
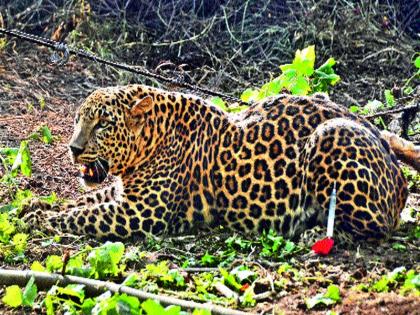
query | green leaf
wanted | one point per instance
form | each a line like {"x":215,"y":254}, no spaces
{"x":417,"y":62}
{"x":333,"y":293}
{"x":389,"y":98}
{"x":354,"y":109}
{"x":219,"y":103}
{"x":411,"y":283}
{"x":208,"y":260}
{"x":37,"y":266}
{"x":296,"y":84}
{"x":6,"y":228}
{"x":105,"y":259}
{"x":270,"y":88}
{"x":305,"y":60}
{"x":20,"y":242}
{"x":152,"y":307}
{"x":74,"y":290}
{"x":46,"y":134}
{"x":23,"y":160}
{"x":13,"y":296}
{"x":30,"y":292}
{"x":230,"y":279}
{"x":249,"y":95}
{"x":399,"y":246}
{"x":332,"y":296}
{"x":54,"y":263}
{"x":130,"y":280}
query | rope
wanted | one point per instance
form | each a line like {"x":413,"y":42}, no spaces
{"x":68,"y":50}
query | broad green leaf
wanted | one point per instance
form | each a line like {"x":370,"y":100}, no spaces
{"x":399,"y":246}
{"x":54,"y":263}
{"x":300,"y":87}
{"x":10,"y":154}
{"x":130,"y":280}
{"x":271,"y":88}
{"x":219,"y":103}
{"x":249,"y":95}
{"x":23,"y":160}
{"x":417,"y":62}
{"x":129,"y":304}
{"x":74,"y":290}
{"x":6,"y":228}
{"x":105,"y":259}
{"x":30,"y":292}
{"x":13,"y":296}
{"x":411,"y":284}
{"x":305,"y":60}
{"x":333,"y":292}
{"x":152,"y":307}
{"x":354,"y":108}
{"x":37,"y":266}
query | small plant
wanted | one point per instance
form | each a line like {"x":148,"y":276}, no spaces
{"x":43,"y":134}
{"x":299,"y":78}
{"x":276,"y":246}
{"x":407,"y":88}
{"x":15,"y":297}
{"x":330,"y":297}
{"x":15,"y":160}
{"x":406,"y":281}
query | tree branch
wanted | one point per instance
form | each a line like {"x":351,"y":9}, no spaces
{"x":45,"y":280}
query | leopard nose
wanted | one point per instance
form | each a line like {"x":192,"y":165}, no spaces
{"x":76,"y":151}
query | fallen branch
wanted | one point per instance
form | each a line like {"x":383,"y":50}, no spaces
{"x":46,"y":280}
{"x":394,"y":111}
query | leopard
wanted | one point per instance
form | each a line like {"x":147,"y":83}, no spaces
{"x":182,"y":163}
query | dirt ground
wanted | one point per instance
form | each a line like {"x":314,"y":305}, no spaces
{"x":27,"y":81}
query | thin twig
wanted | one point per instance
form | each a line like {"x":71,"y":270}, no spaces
{"x":394,"y":111}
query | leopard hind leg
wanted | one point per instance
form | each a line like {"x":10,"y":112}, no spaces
{"x":371,"y":190}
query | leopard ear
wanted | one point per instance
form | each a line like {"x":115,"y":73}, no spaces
{"x":141,"y":106}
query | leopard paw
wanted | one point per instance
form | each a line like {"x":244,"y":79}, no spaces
{"x":37,"y":204}
{"x":39,"y":219}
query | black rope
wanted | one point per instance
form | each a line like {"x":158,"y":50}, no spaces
{"x":67,"y":50}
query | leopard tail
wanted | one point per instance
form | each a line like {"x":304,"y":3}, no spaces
{"x":405,"y":150}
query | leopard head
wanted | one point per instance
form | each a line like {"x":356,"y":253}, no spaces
{"x":108,"y":133}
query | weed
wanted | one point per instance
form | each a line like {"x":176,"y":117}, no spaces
{"x":331,"y":296}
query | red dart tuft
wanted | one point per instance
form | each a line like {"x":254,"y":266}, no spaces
{"x":244,"y":287}
{"x":324,"y":246}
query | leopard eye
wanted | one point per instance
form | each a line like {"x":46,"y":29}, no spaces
{"x":103,"y":123}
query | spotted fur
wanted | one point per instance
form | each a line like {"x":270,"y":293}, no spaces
{"x":185,"y":163}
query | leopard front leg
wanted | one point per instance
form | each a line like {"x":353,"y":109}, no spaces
{"x":107,"y":194}
{"x":111,"y":221}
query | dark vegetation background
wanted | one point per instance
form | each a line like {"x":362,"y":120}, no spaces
{"x":234,"y":44}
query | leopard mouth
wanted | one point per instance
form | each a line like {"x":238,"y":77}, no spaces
{"x":94,"y":172}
